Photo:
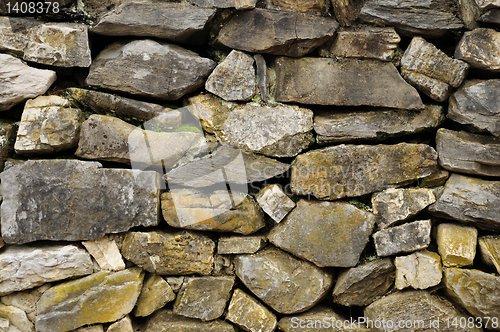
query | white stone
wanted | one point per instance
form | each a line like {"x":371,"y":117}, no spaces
{"x":419,"y":270}
{"x":275,"y":202}
{"x":106,"y":253}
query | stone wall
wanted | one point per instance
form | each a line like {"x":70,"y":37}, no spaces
{"x":244,"y":165}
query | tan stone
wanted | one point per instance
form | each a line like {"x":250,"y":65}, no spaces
{"x":155,"y":293}
{"x":166,"y":321}
{"x":123,"y":325}
{"x":17,"y":318}
{"x":93,"y":328}
{"x":419,"y":270}
{"x":480,"y":48}
{"x":106,"y":253}
{"x":456,"y":244}
{"x":249,"y":314}
{"x":26,"y":301}
{"x":240,"y":244}
{"x":489,"y":246}
{"x":303,"y":5}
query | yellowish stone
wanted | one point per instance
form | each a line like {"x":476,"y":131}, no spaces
{"x":156,"y":292}
{"x":249,"y":314}
{"x":490,"y":250}
{"x":456,"y":244}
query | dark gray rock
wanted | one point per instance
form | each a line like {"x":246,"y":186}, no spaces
{"x":263,"y":77}
{"x":166,"y":321}
{"x":7,"y":135}
{"x":480,"y":48}
{"x":470,"y":13}
{"x":238,"y":4}
{"x":491,"y":16}
{"x":408,"y":237}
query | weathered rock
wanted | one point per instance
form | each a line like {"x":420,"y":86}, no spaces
{"x":491,"y":16}
{"x":49,"y":43}
{"x":106,"y":253}
{"x":204,"y":298}
{"x":420,"y":270}
{"x":249,"y":314}
{"x":238,"y":4}
{"x":349,"y":82}
{"x":337,"y":232}
{"x":93,"y":328}
{"x":425,"y":311}
{"x":362,"y":42}
{"x":293,"y":286}
{"x":19,"y":81}
{"x":108,"y":138}
{"x":463,"y":152}
{"x":488,"y":4}
{"x":209,"y":110}
{"x":361,"y":285}
{"x":233,"y":78}
{"x":392,"y":206}
{"x":432,"y":87}
{"x":175,"y":282}
{"x":49,"y":124}
{"x":430,"y":18}
{"x":176,"y":22}
{"x":476,"y":291}
{"x":275,"y":202}
{"x":99,"y":298}
{"x":355,"y":170}
{"x":166,"y":321}
{"x":123,"y":325}
{"x":489,"y":246}
{"x":436,"y":179}
{"x":470,"y":200}
{"x":276,"y":32}
{"x":480,"y":48}
{"x":240,"y":244}
{"x":25,"y":267}
{"x":26,"y":300}
{"x":7,"y":135}
{"x":170,"y":253}
{"x":149,"y":68}
{"x":16,"y":319}
{"x":317,"y":6}
{"x":456,"y":244}
{"x":155,"y":293}
{"x":346,"y":11}
{"x":408,"y":237}
{"x":470,"y":13}
{"x":221,"y":211}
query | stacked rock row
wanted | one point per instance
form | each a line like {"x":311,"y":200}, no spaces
{"x":225,"y":165}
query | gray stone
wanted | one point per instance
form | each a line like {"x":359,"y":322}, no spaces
{"x":249,"y":314}
{"x":337,"y":232}
{"x":348,"y":82}
{"x":491,"y":16}
{"x":480,"y":48}
{"x":355,"y":170}
{"x":123,"y":325}
{"x":470,"y":13}
{"x":53,"y":209}
{"x":276,"y":32}
{"x":347,"y":126}
{"x":488,"y":4}
{"x":204,"y":298}
{"x":456,"y":244}
{"x":149,"y":68}
{"x":7,"y":136}
{"x":420,"y":270}
{"x":361,"y":285}
{"x":16,"y":319}
{"x":26,"y":300}
{"x":285,"y":283}
{"x":263,"y":77}
{"x":463,"y":152}
{"x":275,"y":202}
{"x":176,"y":22}
{"x":436,"y":179}
{"x":470,"y":200}
{"x":166,"y":321}
{"x":155,"y":293}
{"x":240,"y":244}
{"x":175,"y":282}
{"x":431,"y":18}
{"x":408,"y":237}
{"x":489,"y":248}
{"x":233,"y":78}
{"x":393,"y":206}
{"x":106,"y":253}
{"x":19,"y":81}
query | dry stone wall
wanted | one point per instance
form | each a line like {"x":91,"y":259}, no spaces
{"x":249,"y":165}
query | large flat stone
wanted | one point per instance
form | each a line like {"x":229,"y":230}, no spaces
{"x":238,"y":4}
{"x":408,"y":237}
{"x":480,"y":48}
{"x":249,"y":314}
{"x":166,"y":321}
{"x":350,"y":82}
{"x":53,"y":209}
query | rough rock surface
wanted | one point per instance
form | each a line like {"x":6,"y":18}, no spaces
{"x":488,"y":4}
{"x":408,"y":237}
{"x":293,"y":286}
{"x":209,"y":110}
{"x":240,"y":244}
{"x":489,"y":246}
{"x":275,"y":202}
{"x":166,"y":321}
{"x":14,"y":320}
{"x":325,"y":233}
{"x":249,"y":314}
{"x":420,"y":270}
{"x":319,"y":6}
{"x":491,"y":16}
{"x":7,"y":135}
{"x":155,"y":293}
{"x":346,"y":11}
{"x":355,"y":170}
{"x":238,"y":4}
{"x":106,"y":253}
{"x":456,"y":244}
{"x":480,"y":48}
{"x":123,"y":325}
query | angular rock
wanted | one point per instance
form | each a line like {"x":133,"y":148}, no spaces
{"x":26,"y":300}
{"x":49,"y":124}
{"x":361,"y":285}
{"x":337,"y":232}
{"x":275,"y":202}
{"x":363,"y":42}
{"x":93,"y":328}
{"x":463,"y":152}
{"x":7,"y":135}
{"x":348,"y":126}
{"x":204,"y":298}
{"x":349,"y":82}
{"x":476,"y":291}
{"x":155,"y":293}
{"x":276,"y":32}
{"x":436,"y":179}
{"x":470,"y":200}
{"x":249,"y":314}
{"x":209,"y":110}
{"x":16,"y":319}
{"x":233,"y":78}
{"x":149,"y":68}
{"x":392,"y":206}
{"x":170,"y":253}
{"x":488,"y":4}
{"x":25,"y":267}
{"x":491,"y":16}
{"x":240,"y":244}
{"x":456,"y":244}
{"x":175,"y":282}
{"x":166,"y":321}
{"x":293,"y":285}
{"x":489,"y":246}
{"x":317,"y":6}
{"x":470,"y":13}
{"x":123,"y":325}
{"x":355,"y":170}
{"x":432,"y":87}
{"x":420,"y":270}
{"x":99,"y":298}
{"x":430,"y":18}
{"x":106,"y":253}
{"x":176,"y":22}
{"x":346,"y":11}
{"x":19,"y":81}
{"x":408,"y":237}
{"x":480,"y":48}
{"x":263,"y":77}
{"x":220,"y":211}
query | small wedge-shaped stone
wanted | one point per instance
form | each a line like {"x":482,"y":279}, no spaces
{"x":166,"y":321}
{"x":476,"y":291}
{"x":349,"y":82}
{"x":14,"y":320}
{"x":337,"y":232}
{"x":249,"y":314}
{"x":488,"y":4}
{"x":318,"y":6}
{"x":7,"y":136}
{"x":155,"y":293}
{"x":275,"y":202}
{"x":149,"y":68}
{"x":355,"y":170}
{"x":283,"y":282}
{"x":123,"y":325}
{"x":346,"y":11}
{"x":462,"y":152}
{"x":170,"y":253}
{"x":480,"y":48}
{"x":75,"y":200}
{"x":276,"y":32}
{"x":489,"y":246}
{"x":19,"y":81}
{"x":99,"y":298}
{"x":361,"y":285}
{"x":456,"y":244}
{"x":240,"y":244}
{"x":470,"y":200}
{"x":209,"y":110}
{"x":177,"y":22}
{"x":420,"y":270}
{"x":25,"y":267}
{"x":106,"y":253}
{"x":238,"y":4}
{"x":408,"y":237}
